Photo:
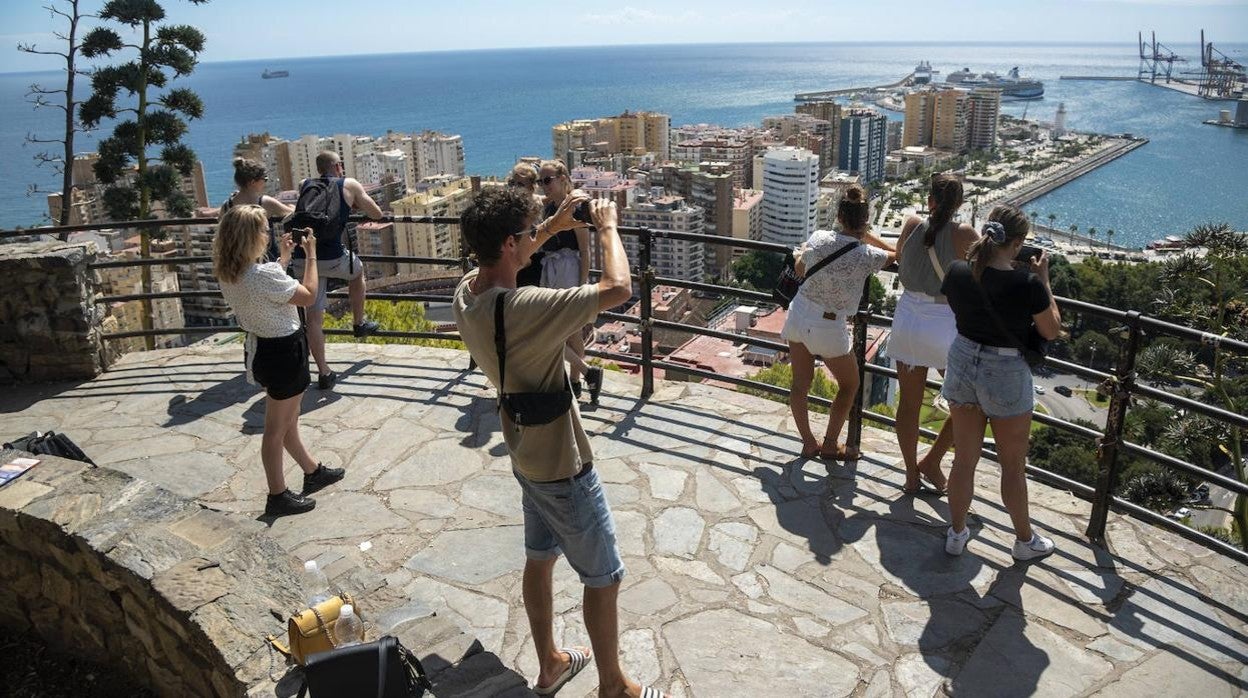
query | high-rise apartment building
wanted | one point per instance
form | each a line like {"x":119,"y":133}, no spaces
{"x":196,"y":241}
{"x":601,"y":183}
{"x":708,"y":186}
{"x":632,"y":134}
{"x":950,"y":114}
{"x":88,"y":192}
{"x":1059,"y":120}
{"x":983,"y":114}
{"x":790,"y":191}
{"x":370,"y":160}
{"x":166,"y":312}
{"x":917,"y":126}
{"x":864,"y":141}
{"x":447,"y":198}
{"x":377,"y":238}
{"x":678,"y":259}
{"x":747,"y":217}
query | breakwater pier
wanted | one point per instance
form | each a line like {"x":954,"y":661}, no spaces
{"x":846,"y":92}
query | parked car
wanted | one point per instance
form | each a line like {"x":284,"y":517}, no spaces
{"x":1039,"y":390}
{"x":1062,"y":390}
{"x":1180,"y":513}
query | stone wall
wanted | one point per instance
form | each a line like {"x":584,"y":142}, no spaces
{"x":49,"y":322}
{"x":118,"y":570}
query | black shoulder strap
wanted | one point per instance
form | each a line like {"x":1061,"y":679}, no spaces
{"x":500,"y":340}
{"x":829,"y":259}
{"x":383,"y":645}
{"x":996,"y":318}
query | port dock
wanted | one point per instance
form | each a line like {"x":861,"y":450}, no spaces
{"x":831,"y":94}
{"x":1076,"y":170}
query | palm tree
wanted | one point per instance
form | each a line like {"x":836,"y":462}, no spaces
{"x":1109,"y":237}
{"x":1073,"y":229}
{"x":1092,"y":234}
{"x":1052,"y":220}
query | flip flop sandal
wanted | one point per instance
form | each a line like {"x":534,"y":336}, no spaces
{"x":841,"y":454}
{"x":923,"y":490}
{"x":577,"y":660}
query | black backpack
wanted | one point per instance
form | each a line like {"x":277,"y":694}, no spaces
{"x":320,"y":208}
{"x":51,"y":444}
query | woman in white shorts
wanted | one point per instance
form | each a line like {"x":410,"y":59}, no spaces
{"x":923,"y":326}
{"x":818,"y":320}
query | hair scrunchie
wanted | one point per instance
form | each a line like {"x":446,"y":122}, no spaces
{"x":995,"y":231}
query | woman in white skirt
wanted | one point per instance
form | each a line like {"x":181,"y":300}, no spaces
{"x":923,"y":326}
{"x":818,"y":320}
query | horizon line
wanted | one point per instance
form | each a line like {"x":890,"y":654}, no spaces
{"x":658,"y":44}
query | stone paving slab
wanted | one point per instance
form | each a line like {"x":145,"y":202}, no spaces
{"x":750,"y":572}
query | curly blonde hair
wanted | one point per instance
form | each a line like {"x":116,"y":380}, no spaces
{"x":240,"y":241}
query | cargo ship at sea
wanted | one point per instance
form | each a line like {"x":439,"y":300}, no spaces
{"x":1012,"y":86}
{"x":270,"y":74}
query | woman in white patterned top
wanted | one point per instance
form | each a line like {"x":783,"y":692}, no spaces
{"x":264,"y":300}
{"x":818,"y":325}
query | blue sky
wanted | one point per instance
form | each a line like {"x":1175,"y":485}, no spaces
{"x":247,"y":29}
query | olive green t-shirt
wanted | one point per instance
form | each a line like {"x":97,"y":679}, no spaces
{"x":537,"y":321}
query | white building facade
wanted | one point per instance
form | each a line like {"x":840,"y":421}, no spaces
{"x":790,"y":193}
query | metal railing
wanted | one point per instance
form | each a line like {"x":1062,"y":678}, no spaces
{"x":1110,"y":441}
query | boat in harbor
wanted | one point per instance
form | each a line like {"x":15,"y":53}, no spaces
{"x":923,"y":73}
{"x":270,"y":74}
{"x":1012,"y":86}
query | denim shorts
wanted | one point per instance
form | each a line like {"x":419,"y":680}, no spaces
{"x":571,"y":516}
{"x":996,"y":379}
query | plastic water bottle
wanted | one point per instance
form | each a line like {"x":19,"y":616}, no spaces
{"x":315,"y":583}
{"x":348,"y":630}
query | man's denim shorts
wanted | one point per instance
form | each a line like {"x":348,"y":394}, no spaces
{"x":996,"y":379}
{"x":572,"y":516}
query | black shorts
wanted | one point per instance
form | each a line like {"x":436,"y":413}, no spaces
{"x":281,"y":365}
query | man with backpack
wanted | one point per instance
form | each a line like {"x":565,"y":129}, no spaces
{"x":324,"y":204}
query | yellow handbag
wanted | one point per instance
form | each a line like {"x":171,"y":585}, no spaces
{"x":312,"y":630}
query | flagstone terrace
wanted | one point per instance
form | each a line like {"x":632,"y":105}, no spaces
{"x":750,"y":571}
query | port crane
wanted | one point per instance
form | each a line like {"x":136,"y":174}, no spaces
{"x":1220,"y":75}
{"x":1156,"y":59}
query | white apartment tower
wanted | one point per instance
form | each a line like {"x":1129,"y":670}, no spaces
{"x":1059,"y":121}
{"x":790,"y":192}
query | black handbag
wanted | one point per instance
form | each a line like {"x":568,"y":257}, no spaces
{"x":50,"y":444}
{"x":1034,"y":351}
{"x":383,"y":668}
{"x":525,"y":409}
{"x":789,"y":282}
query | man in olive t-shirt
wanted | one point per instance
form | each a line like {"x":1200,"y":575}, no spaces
{"x":565,"y":510}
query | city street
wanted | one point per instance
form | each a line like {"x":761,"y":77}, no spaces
{"x":1068,"y":408}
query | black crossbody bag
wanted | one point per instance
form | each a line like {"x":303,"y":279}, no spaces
{"x":1034,"y":355}
{"x":383,"y":668}
{"x":525,"y":409}
{"x":789,"y":282}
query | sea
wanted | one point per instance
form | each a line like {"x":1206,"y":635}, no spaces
{"x":503,"y":103}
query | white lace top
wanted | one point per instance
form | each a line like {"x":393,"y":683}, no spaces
{"x":838,"y":286}
{"x":261,"y":300}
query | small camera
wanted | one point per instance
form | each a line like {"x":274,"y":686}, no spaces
{"x":298,"y":234}
{"x":582,"y":213}
{"x":1028,"y":253}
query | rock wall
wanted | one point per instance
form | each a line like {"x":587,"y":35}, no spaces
{"x":118,"y":570}
{"x":49,"y":322}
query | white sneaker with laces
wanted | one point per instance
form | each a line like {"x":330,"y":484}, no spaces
{"x":1037,"y":547}
{"x":955,"y":543}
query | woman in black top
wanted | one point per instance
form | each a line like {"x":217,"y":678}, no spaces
{"x":986,"y":378}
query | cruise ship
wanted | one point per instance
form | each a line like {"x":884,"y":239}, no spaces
{"x":923,"y":73}
{"x":270,"y":74}
{"x":1012,"y":86}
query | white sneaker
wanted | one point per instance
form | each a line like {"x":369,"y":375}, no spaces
{"x":1038,"y":546}
{"x":955,"y":543}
